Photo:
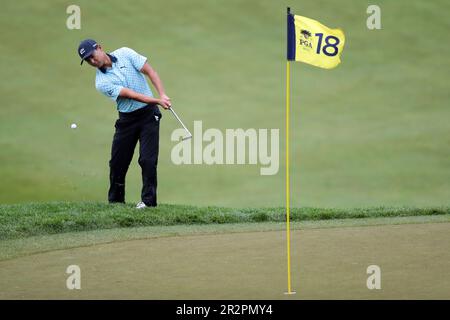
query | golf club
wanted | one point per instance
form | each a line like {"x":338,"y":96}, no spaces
{"x":179,"y":120}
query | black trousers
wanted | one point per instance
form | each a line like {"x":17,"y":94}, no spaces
{"x":141,"y":125}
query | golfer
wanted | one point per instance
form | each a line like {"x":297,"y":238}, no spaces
{"x":120,"y":76}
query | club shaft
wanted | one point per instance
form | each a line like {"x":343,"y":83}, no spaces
{"x":179,"y":120}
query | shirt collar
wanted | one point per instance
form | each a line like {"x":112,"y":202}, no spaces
{"x":113,"y":59}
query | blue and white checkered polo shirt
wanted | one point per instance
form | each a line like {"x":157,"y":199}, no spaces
{"x":125,"y":72}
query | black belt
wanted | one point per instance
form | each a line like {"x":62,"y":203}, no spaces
{"x":137,"y":113}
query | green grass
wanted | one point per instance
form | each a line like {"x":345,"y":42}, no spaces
{"x":16,"y":247}
{"x":372,"y":132}
{"x":25,"y":220}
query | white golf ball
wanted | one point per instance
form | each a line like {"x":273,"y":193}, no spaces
{"x":73,"y":126}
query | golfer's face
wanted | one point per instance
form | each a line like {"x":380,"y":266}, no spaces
{"x":96,"y":59}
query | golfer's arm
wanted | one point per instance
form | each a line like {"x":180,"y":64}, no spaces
{"x":131,"y":94}
{"x":154,"y":78}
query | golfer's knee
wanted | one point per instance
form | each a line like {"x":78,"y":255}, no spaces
{"x":118,"y":167}
{"x":148,"y":163}
{"x":118,"y":173}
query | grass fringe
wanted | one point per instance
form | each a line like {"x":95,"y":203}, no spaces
{"x":31,"y":219}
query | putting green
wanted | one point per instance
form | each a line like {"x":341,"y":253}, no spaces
{"x":328,"y":263}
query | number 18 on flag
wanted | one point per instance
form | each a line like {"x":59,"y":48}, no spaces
{"x":311,"y":42}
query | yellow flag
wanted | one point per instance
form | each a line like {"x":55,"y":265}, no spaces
{"x":311,"y":42}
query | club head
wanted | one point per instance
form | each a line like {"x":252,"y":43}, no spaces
{"x":186,"y":138}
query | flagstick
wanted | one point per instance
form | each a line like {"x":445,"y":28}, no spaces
{"x":288,"y":229}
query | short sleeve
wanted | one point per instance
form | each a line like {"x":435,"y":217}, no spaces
{"x":109,"y":89}
{"x":135,"y":58}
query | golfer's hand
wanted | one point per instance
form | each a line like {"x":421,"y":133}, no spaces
{"x":166,"y":100}
{"x":164,"y":103}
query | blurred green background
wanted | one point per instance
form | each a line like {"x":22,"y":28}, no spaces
{"x":374,"y":131}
